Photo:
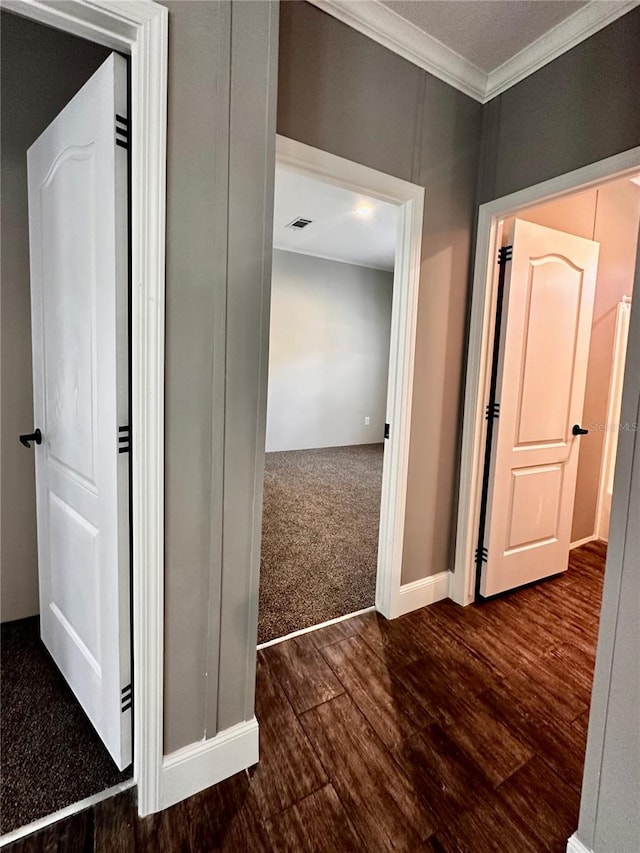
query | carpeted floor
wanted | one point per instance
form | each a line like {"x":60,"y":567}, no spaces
{"x":319,"y":536}
{"x":50,"y":754}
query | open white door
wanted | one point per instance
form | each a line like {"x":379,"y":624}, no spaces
{"x":77,"y":171}
{"x":544,"y":350}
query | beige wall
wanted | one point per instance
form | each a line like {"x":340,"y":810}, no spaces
{"x":40,"y":71}
{"x":345,"y":94}
{"x":610,"y":215}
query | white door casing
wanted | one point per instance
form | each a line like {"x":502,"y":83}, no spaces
{"x":406,"y":283}
{"x":544,"y":348}
{"x":79,"y":300}
{"x":605,"y":486}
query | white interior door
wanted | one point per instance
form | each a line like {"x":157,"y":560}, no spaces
{"x":544,"y":350}
{"x":77,"y":176}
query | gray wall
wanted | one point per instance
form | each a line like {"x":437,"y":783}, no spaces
{"x":580,"y":108}
{"x":328,"y":353}
{"x":221,"y":159}
{"x":40,"y":71}
{"x":343,"y":93}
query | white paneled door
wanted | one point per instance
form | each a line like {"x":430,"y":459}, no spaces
{"x":77,"y":171}
{"x":544,"y":349}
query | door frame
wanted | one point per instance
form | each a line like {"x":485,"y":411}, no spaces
{"x":139,"y":29}
{"x":409,"y":198}
{"x":609,"y":436}
{"x":480,"y":343}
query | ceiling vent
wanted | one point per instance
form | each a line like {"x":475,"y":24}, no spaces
{"x":299,"y":223}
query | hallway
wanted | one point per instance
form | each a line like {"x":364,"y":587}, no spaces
{"x":449,"y":729}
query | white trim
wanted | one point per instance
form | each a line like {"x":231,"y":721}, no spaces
{"x":579,"y":542}
{"x":386,"y":27}
{"x":423,"y":592}
{"x":585,"y":22}
{"x":574,"y":845}
{"x":406,"y":283}
{"x":139,"y":28}
{"x":67,"y":811}
{"x":313,"y":628}
{"x":613,"y":415}
{"x":202,"y":764}
{"x":483,"y":295}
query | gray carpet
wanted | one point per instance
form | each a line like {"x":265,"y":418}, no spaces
{"x":51,"y":756}
{"x":319,"y":536}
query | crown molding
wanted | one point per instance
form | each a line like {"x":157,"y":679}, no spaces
{"x":383,"y":25}
{"x":380,"y":23}
{"x":584,"y":23}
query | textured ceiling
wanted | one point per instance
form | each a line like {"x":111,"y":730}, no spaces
{"x":336,"y":231}
{"x":485,"y":32}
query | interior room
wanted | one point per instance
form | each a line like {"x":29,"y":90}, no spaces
{"x":51,"y":754}
{"x":331,"y":302}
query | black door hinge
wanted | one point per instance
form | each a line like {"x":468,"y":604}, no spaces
{"x":126,"y":698}
{"x":386,"y":430}
{"x":122,"y":131}
{"x":505,"y":254}
{"x":124,"y":444}
{"x":492,"y":411}
{"x":481,"y":555}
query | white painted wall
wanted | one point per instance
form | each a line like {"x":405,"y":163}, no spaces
{"x":329,"y":353}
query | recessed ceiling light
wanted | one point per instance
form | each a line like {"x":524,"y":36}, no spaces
{"x":364,"y":210}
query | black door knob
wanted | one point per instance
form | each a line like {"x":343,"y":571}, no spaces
{"x":31,"y":436}
{"x":577,"y":430}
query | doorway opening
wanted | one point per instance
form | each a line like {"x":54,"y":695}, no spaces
{"x":66,"y":675}
{"x":548,"y":362}
{"x":343,"y":313}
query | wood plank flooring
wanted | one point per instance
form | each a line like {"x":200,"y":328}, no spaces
{"x":450,"y":730}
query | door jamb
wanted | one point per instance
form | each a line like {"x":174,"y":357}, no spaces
{"x":406,"y":281}
{"x":608,"y":436}
{"x":483,"y":296}
{"x":139,"y":28}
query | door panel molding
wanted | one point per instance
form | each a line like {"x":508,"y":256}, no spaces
{"x":480,"y":344}
{"x":139,"y":28}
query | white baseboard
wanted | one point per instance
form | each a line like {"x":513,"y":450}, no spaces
{"x":584,"y":541}
{"x":574,"y":845}
{"x":202,"y":764}
{"x":418,"y":594}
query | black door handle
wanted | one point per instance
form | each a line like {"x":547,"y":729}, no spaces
{"x":577,"y":430}
{"x":31,"y":436}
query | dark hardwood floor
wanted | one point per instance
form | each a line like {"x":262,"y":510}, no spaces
{"x":451,"y":729}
